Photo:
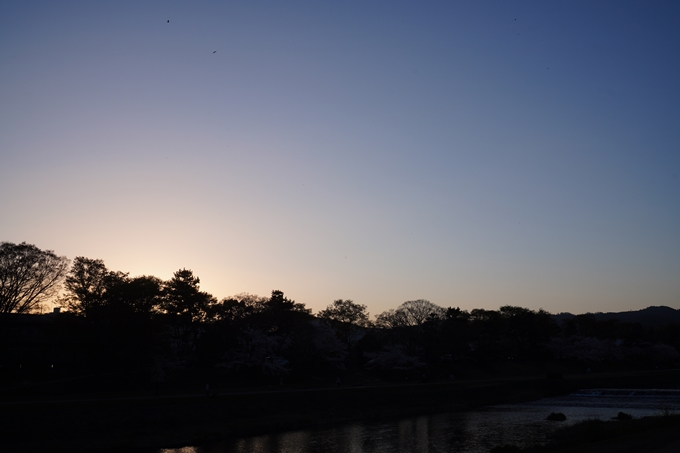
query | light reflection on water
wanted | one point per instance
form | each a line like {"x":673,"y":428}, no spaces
{"x":470,"y":432}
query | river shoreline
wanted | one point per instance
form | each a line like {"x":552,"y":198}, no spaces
{"x":655,"y":434}
{"x":146,"y":424}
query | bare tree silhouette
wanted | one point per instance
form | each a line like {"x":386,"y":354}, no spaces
{"x":28,"y":277}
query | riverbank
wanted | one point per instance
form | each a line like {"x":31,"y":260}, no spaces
{"x":659,"y":434}
{"x":143,"y":424}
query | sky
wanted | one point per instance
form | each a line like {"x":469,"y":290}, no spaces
{"x":472,"y":153}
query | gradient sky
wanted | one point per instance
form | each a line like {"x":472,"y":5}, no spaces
{"x":475,"y":154}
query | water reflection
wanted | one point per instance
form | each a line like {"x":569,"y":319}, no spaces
{"x":289,"y":442}
{"x":472,"y":432}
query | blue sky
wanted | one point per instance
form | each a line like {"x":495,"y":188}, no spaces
{"x":475,"y":154}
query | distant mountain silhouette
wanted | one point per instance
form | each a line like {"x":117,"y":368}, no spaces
{"x":648,"y":317}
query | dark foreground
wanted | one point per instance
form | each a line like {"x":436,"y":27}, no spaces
{"x":659,"y":434}
{"x":143,"y":424}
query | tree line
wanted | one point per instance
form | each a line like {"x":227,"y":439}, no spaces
{"x":113,"y":321}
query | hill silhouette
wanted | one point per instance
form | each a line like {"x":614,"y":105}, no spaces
{"x":648,"y":317}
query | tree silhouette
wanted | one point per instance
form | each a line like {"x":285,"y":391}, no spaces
{"x":28,"y":277}
{"x":418,"y":312}
{"x":347,"y":318}
{"x":526,"y":332}
{"x":256,"y":356}
{"x":412,"y":313}
{"x":86,"y":284}
{"x":139,"y":296}
{"x":393,"y":361}
{"x":456,"y":332}
{"x":187,"y":307}
{"x":408,"y":322}
{"x":184,"y":300}
{"x":486,"y":327}
{"x":238,"y":308}
{"x":283,"y":316}
{"x":279,"y":303}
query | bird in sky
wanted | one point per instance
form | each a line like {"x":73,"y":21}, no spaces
{"x":168,"y":20}
{"x":214,"y":51}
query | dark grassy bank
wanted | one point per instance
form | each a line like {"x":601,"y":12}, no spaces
{"x":145,"y":423}
{"x":660,"y":434}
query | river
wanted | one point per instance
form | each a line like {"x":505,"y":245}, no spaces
{"x":469,"y":432}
